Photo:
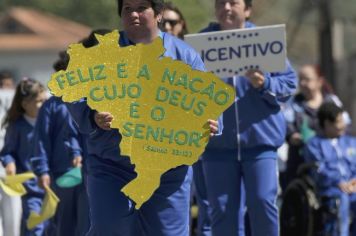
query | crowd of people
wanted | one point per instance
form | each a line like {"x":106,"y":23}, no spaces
{"x":235,"y":183}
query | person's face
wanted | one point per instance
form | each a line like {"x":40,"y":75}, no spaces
{"x":138,"y":18}
{"x":231,"y":14}
{"x":172,"y":23}
{"x":335,"y":129}
{"x":32,"y":106}
{"x":309,"y":81}
{"x":7,"y":83}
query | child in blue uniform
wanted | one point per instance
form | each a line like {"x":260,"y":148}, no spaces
{"x":15,"y":155}
{"x":254,"y":128}
{"x":58,"y":149}
{"x":335,"y":154}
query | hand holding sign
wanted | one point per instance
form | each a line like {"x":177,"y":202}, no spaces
{"x":256,"y":78}
{"x":234,"y":52}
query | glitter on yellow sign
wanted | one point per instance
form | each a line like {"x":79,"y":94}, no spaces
{"x":160,"y":105}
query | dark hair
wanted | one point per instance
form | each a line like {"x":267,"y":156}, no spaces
{"x":62,"y":62}
{"x":91,"y":40}
{"x":248,"y":3}
{"x":157,"y":6}
{"x":328,"y":111}
{"x":5,"y":75}
{"x":26,"y":89}
{"x":169,"y":6}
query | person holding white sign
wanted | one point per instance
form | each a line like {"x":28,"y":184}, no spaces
{"x":254,"y":128}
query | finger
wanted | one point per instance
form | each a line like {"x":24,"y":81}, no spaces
{"x":345,"y":189}
{"x":349,"y":189}
{"x":212,"y":121}
{"x":106,"y":127}
{"x":213,"y":129}
{"x":105,"y":115}
{"x":108,"y":119}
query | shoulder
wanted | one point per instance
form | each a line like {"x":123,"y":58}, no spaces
{"x":172,"y":41}
{"x":180,"y":50}
{"x":314,"y":142}
{"x":349,"y":139}
{"x":333,"y":98}
{"x":296,"y":103}
{"x":53,"y":103}
{"x":249,"y":24}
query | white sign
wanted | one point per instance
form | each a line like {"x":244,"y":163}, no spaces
{"x":233,"y":52}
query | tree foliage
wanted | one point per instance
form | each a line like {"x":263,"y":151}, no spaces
{"x":301,"y":17}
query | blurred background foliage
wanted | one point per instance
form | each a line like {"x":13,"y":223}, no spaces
{"x":301,"y":17}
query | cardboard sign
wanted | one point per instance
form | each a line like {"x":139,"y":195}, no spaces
{"x":160,"y":106}
{"x":233,"y":52}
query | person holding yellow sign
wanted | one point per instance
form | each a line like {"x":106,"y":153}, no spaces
{"x":112,"y":212}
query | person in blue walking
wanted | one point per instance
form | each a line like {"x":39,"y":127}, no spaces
{"x":58,"y":147}
{"x":112,"y":212}
{"x":335,"y":177}
{"x":246,"y":152}
{"x":301,"y":114}
{"x":15,"y":155}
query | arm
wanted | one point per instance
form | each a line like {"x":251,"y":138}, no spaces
{"x":326,"y":175}
{"x":216,"y":140}
{"x":8,"y":153}
{"x":293,"y":135}
{"x":83,"y":116}
{"x":42,"y":143}
{"x":75,"y":146}
{"x":274,"y":87}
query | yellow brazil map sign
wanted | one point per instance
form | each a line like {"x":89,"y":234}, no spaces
{"x":160,"y":105}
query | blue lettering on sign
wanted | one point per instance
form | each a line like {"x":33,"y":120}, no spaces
{"x":242,"y":51}
{"x":222,"y":54}
{"x":276,"y":47}
{"x":263,"y":51}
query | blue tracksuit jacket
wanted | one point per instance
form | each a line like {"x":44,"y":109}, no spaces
{"x":336,"y":161}
{"x":17,"y":148}
{"x":257,"y":125}
{"x":56,"y":139}
{"x":336,"y":164}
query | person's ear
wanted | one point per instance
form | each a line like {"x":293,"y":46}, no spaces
{"x":248,"y":12}
{"x":159,"y":18}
